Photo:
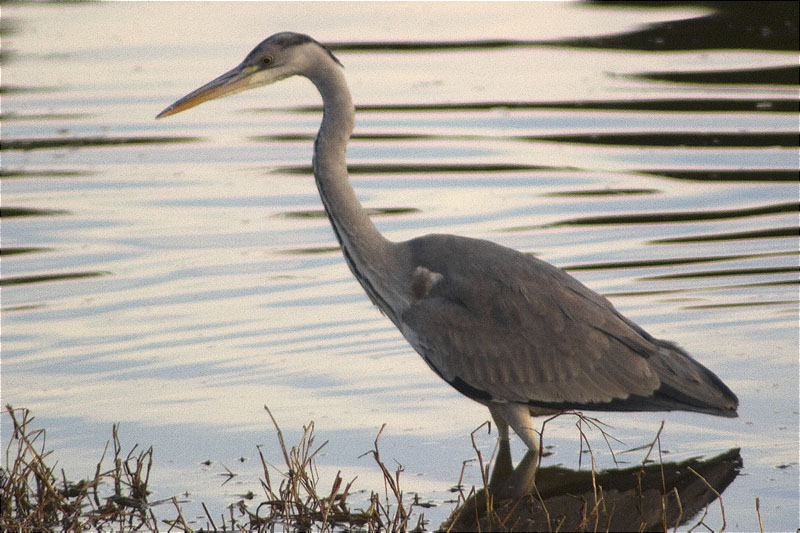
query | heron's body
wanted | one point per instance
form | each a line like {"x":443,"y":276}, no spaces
{"x":502,"y":327}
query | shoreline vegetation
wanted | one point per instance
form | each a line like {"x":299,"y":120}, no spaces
{"x":651,"y":496}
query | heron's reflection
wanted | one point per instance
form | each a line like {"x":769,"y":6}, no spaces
{"x":656,"y":496}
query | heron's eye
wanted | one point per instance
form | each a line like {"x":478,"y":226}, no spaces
{"x":266,"y":60}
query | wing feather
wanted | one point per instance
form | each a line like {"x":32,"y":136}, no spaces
{"x":521,"y":330}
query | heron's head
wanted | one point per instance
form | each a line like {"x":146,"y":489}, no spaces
{"x":278,"y":57}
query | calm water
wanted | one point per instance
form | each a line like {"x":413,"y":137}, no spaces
{"x":177,"y":275}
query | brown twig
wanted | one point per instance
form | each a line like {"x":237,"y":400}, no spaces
{"x":758,"y":512}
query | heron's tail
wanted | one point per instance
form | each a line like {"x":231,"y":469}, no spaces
{"x":690,"y":386}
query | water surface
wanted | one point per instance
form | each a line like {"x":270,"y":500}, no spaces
{"x":177,"y":275}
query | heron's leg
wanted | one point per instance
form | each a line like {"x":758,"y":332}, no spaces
{"x":518,"y":416}
{"x":500,"y":422}
{"x":521,"y":480}
{"x":506,"y":482}
{"x":502,"y":462}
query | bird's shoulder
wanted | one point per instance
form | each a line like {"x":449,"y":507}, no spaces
{"x":482,"y":275}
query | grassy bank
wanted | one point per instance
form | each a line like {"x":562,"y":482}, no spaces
{"x":115,"y":496}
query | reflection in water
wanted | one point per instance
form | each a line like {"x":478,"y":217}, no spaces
{"x":651,"y":497}
{"x":22,"y":250}
{"x":757,"y":76}
{"x":633,"y":104}
{"x":373,"y":212}
{"x":733,"y":25}
{"x":682,"y":138}
{"x":22,"y":280}
{"x":89,"y":142}
{"x":772,"y":233}
{"x":686,"y":216}
{"x":731,"y":175}
{"x":9,"y":212}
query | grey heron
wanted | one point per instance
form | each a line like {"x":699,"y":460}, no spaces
{"x":504,"y":328}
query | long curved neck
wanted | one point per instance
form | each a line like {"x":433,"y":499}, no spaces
{"x":368,"y":253}
{"x":348,"y":217}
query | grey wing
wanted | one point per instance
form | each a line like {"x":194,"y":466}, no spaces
{"x":523,"y":331}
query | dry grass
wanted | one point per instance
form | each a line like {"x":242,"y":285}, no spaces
{"x":297,"y":502}
{"x":35,"y":497}
{"x":115,"y":498}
